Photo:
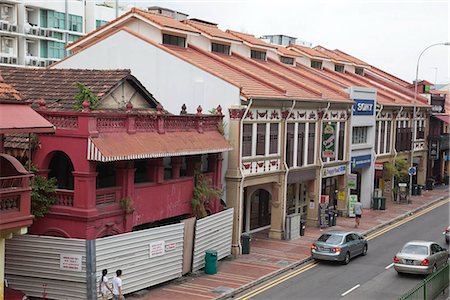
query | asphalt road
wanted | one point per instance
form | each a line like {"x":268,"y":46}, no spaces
{"x":331,"y":280}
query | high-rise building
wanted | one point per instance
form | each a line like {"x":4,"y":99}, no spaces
{"x":34,"y":33}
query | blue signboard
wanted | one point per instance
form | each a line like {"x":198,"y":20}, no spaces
{"x":363,"y":107}
{"x":362,"y":161}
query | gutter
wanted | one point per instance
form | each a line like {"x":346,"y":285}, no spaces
{"x":286,"y":167}
{"x":241,"y":188}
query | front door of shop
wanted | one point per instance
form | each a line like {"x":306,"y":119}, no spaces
{"x":260,"y":209}
{"x":330,"y":188}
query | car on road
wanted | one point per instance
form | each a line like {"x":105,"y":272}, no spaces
{"x":420,"y":257}
{"x":339,"y":246}
{"x":447,"y":234}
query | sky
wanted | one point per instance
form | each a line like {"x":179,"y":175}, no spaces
{"x":387,"y":34}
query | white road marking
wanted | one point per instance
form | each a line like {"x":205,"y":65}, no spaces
{"x":389,"y":266}
{"x":350,"y":290}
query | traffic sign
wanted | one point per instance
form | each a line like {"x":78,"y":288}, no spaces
{"x":412,"y":171}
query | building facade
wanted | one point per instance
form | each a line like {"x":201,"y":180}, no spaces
{"x":35,"y":33}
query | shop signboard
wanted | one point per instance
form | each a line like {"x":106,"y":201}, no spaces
{"x":329,"y":140}
{"x":324,"y":215}
{"x":378,"y":166}
{"x":352,"y":199}
{"x":334,"y":171}
{"x":352,"y":181}
{"x":341,"y":196}
{"x":434,"y":149}
{"x":363,"y":107}
{"x":362,"y":161}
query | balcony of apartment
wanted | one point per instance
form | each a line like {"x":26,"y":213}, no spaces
{"x":403,"y":139}
{"x":15,"y":194}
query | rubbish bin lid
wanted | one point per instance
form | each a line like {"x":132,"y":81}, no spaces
{"x":246,"y":234}
{"x":212,"y":252}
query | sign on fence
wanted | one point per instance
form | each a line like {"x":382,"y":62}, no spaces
{"x":70,"y":262}
{"x":157,"y":249}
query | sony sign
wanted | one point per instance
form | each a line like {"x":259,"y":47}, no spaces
{"x":363,"y":107}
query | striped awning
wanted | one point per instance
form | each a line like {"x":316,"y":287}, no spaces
{"x":124,"y":146}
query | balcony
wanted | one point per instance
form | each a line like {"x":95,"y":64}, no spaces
{"x":15,"y":194}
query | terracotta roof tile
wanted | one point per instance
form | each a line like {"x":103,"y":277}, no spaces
{"x":309,"y":51}
{"x":8,"y":93}
{"x":285,"y":51}
{"x":350,"y":58}
{"x":331,"y":54}
{"x":212,"y":30}
{"x":251,"y":39}
{"x":57,"y":86}
{"x":164,"y":21}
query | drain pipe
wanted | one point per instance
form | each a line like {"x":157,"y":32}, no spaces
{"x":241,"y":188}
{"x":286,"y":167}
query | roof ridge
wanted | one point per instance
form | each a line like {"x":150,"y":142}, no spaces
{"x":238,"y":68}
{"x":327,"y":85}
{"x":384,"y":72}
{"x":393,"y":85}
{"x":279,"y":74}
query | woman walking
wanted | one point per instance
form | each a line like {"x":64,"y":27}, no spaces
{"x":103,"y":285}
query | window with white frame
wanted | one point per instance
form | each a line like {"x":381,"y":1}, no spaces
{"x":6,"y":13}
{"x":260,"y":139}
{"x":220,"y":48}
{"x":7,"y":45}
{"x":383,"y":137}
{"x":359,"y":135}
{"x":255,"y":54}
{"x":420,"y":129}
{"x":316,"y":64}
{"x":301,"y":144}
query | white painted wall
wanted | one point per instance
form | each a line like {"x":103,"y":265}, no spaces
{"x":171,"y":80}
{"x":368,"y":173}
{"x":146,"y":30}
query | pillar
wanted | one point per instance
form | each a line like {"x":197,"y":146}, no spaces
{"x":84,"y":190}
{"x":176,"y":167}
{"x":125,"y":178}
{"x":277,"y":211}
{"x":234,"y":200}
{"x":2,"y":267}
{"x":422,"y":170}
{"x":313,"y":194}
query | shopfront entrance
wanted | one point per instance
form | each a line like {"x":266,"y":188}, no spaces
{"x":330,"y":189}
{"x":257,"y":210}
{"x":296,"y":199}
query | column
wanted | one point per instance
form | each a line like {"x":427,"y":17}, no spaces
{"x":125,"y":178}
{"x":2,"y":267}
{"x":176,"y":167}
{"x":84,"y":190}
{"x":234,"y":200}
{"x":313,"y":194}
{"x":277,"y":212}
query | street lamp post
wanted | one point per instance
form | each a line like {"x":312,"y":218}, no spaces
{"x":413,"y":140}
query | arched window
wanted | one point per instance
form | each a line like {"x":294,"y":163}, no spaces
{"x":61,"y":168}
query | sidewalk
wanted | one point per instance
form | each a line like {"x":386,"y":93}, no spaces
{"x":269,"y":257}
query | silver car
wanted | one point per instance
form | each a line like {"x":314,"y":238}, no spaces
{"x":420,"y":257}
{"x":339,"y":246}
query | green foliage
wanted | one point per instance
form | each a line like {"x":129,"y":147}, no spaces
{"x":42,"y":195}
{"x":202,"y":193}
{"x":126,"y":204}
{"x":398,"y":170}
{"x":84,"y":93}
{"x":221,"y":125}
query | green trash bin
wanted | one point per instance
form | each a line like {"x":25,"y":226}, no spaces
{"x":246,"y":238}
{"x":382,"y":203}
{"x":376,"y":203}
{"x":210,"y":262}
{"x":419,"y":190}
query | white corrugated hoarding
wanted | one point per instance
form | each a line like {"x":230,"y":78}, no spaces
{"x":47,"y":267}
{"x":212,"y":233}
{"x":146,"y":257}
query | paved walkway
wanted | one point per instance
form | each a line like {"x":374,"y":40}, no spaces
{"x":269,"y":256}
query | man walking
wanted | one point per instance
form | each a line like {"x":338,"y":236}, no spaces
{"x":117,"y":286}
{"x":358,"y":212}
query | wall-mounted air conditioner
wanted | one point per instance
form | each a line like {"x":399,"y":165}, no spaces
{"x":13,"y":28}
{"x":34,"y":62}
{"x":42,"y":63}
{"x":13,"y":60}
{"x":42,"y":32}
{"x":5,"y":26}
{"x":4,"y":60}
{"x":50,"y":62}
{"x":34,"y":31}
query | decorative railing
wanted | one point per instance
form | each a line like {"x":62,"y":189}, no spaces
{"x":263,"y":165}
{"x":108,"y":195}
{"x":64,"y":197}
{"x":10,"y":182}
{"x":91,"y":123}
{"x":9,"y":204}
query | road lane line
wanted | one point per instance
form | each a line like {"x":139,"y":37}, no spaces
{"x":389,"y":266}
{"x":401,"y":222}
{"x":277,"y":281}
{"x":350,"y":290}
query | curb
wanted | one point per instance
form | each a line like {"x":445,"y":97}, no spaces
{"x":309,"y":258}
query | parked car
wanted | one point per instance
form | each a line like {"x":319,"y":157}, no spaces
{"x":339,"y":246}
{"x":447,"y":234}
{"x":420,"y":257}
{"x":12,"y":294}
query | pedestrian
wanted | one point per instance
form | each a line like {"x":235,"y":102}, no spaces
{"x":358,"y":212}
{"x":117,"y":286}
{"x":103,"y":285}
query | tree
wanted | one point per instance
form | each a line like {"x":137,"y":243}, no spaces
{"x":203,"y":191}
{"x":84,"y":93}
{"x":43,"y":193}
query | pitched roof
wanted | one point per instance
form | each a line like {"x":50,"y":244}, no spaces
{"x":331,"y":54}
{"x":165,"y":22}
{"x":285,"y":51}
{"x":350,"y":58}
{"x":8,"y":93}
{"x":309,"y":51}
{"x":57,"y":86}
{"x":212,"y":30}
{"x":251,"y":39}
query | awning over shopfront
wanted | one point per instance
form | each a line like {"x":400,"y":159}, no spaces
{"x":20,"y":118}
{"x":123,"y":146}
{"x":443,"y":118}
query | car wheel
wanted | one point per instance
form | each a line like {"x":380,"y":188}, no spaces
{"x":346,"y":259}
{"x":364,"y":252}
{"x":399,"y":273}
